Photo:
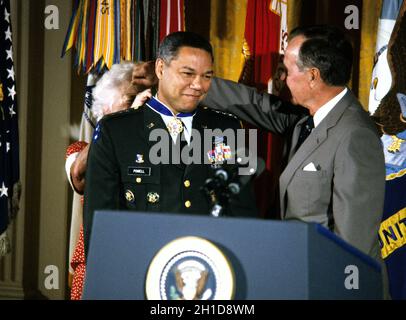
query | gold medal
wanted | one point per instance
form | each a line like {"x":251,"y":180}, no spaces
{"x":175,"y":126}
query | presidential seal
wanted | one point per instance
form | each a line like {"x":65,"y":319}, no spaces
{"x":190,"y":268}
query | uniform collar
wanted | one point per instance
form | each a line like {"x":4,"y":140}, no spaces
{"x":162,"y":109}
{"x":167,"y":115}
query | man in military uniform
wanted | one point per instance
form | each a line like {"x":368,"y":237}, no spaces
{"x":122,"y":171}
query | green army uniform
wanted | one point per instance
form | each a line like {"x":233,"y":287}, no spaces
{"x":120,"y":175}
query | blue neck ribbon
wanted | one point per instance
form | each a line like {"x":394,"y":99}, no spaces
{"x":159,"y":107}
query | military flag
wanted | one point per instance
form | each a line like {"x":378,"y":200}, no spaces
{"x":381,"y":75}
{"x":87,"y":125}
{"x":392,"y":233}
{"x":105,"y":32}
{"x":227,"y":46}
{"x":265,"y":41}
{"x":9,"y":148}
{"x":391,"y":116}
{"x":172,"y":17}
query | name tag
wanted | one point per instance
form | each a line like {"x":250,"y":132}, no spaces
{"x":139,"y":171}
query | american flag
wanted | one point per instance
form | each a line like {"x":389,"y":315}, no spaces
{"x":9,"y":157}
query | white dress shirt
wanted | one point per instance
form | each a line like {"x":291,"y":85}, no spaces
{"x":323,"y":111}
{"x":187,"y":122}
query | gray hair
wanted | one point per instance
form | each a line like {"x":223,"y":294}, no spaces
{"x":326,"y":48}
{"x":109,"y":87}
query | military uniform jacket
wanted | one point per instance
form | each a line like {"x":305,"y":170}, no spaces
{"x":121,"y":175}
{"x":345,"y":191}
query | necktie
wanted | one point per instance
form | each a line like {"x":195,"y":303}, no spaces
{"x":305,"y":131}
{"x":182,"y":144}
{"x":183,"y":141}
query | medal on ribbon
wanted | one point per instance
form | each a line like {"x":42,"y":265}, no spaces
{"x":175,"y":126}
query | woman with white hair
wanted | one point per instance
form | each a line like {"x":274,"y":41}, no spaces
{"x":112,"y":93}
{"x":109,"y":95}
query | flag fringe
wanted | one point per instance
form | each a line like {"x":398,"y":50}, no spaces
{"x":5,"y":246}
{"x":15,"y":200}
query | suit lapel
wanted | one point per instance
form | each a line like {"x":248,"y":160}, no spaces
{"x":295,"y":137}
{"x":318,"y":136}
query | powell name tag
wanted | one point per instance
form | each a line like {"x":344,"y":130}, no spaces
{"x":139,"y":171}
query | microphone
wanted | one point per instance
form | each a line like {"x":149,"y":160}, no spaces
{"x":234,"y":188}
{"x":221,"y":174}
{"x":216,"y":191}
{"x":230,"y":179}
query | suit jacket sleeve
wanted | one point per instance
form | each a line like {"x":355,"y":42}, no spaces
{"x":359,"y":183}
{"x":263,"y":110}
{"x":102,"y":179}
{"x":244,"y":204}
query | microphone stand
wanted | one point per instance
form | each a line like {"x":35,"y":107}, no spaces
{"x":218,"y":191}
{"x":227,"y":183}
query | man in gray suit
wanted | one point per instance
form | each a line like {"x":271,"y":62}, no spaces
{"x":336,"y":175}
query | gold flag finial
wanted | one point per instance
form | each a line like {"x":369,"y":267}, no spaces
{"x":1,"y":92}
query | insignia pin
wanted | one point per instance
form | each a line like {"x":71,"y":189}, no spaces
{"x":140,"y":158}
{"x":152,"y":197}
{"x":129,"y":196}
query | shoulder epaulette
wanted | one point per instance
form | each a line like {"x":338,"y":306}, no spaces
{"x":227,"y":114}
{"x":122,"y":113}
